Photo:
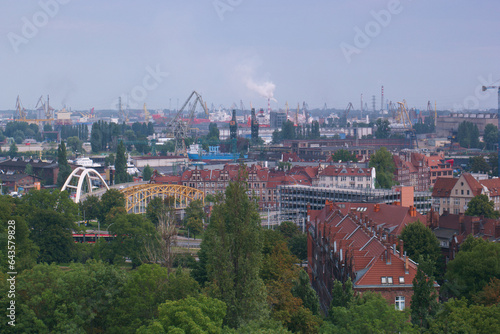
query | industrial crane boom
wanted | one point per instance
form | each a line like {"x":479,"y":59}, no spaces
{"x":178,"y":128}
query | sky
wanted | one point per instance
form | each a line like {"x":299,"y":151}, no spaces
{"x":87,"y":54}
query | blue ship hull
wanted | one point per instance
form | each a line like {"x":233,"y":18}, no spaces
{"x":220,"y":156}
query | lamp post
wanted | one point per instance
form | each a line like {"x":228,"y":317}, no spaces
{"x":498,"y":117}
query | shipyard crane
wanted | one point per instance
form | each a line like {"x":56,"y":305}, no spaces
{"x":178,"y":127}
{"x":297,"y":115}
{"x":498,"y":117}
{"x":432,"y":112}
{"x":287,"y":109}
{"x":404,"y":118}
{"x":305,"y":112}
{"x":146,"y":114}
{"x":21,"y":112}
{"x":343,"y":122}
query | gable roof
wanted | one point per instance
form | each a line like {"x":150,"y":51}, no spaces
{"x":443,"y":186}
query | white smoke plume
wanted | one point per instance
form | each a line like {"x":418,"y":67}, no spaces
{"x":263,"y":88}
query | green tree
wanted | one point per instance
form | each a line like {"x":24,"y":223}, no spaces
{"x":302,"y":289}
{"x":384,"y":167}
{"x":233,"y":245}
{"x":419,"y":241}
{"x":473,"y":267}
{"x":147,"y":287}
{"x":298,"y":246}
{"x":195,"y":215}
{"x":89,"y":209}
{"x":490,"y":295}
{"x":78,"y":299}
{"x":121,"y":175}
{"x":315,"y":133}
{"x":344,"y":156}
{"x":51,"y":218}
{"x":383,"y":128}
{"x":490,"y":136}
{"x":147,"y":172}
{"x":213,"y":132}
{"x":75,"y":144}
{"x":342,"y":295}
{"x":64,"y":167}
{"x":109,"y":200}
{"x":156,"y":207}
{"x":132,"y":234}
{"x":28,"y":169}
{"x":191,"y":315}
{"x":480,"y":205}
{"x":479,"y":165}
{"x":424,"y":303}
{"x":468,"y":135}
{"x":368,"y":313}
{"x":26,"y":250}
{"x":493,"y":161}
{"x":458,"y":317}
{"x":12,"y":150}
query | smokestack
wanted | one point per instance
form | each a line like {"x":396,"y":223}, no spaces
{"x":382,"y":100}
{"x":269,"y":106}
{"x":401,"y":247}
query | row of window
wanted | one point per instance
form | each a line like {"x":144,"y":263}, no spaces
{"x":388,"y":280}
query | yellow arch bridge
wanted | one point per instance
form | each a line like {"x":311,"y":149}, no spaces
{"x":138,"y":197}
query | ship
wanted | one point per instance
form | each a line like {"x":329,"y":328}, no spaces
{"x":196,"y":153}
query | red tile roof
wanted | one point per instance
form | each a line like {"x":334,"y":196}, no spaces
{"x":443,"y":186}
{"x":473,"y":184}
{"x":493,"y":186}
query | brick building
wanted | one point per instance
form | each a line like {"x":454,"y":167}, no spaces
{"x":451,"y":230}
{"x":346,"y":177}
{"x":344,"y":242}
{"x":439,"y":167}
{"x":46,"y":170}
{"x":262,"y":182}
{"x":412,"y":169}
{"x":452,"y":195}
{"x":16,"y":181}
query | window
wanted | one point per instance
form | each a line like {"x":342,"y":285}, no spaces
{"x":401,"y":280}
{"x":462,"y":191}
{"x":343,"y":178}
{"x":353,"y":178}
{"x":384,"y":280}
{"x":467,"y":192}
{"x":400,"y":303}
{"x":389,"y":280}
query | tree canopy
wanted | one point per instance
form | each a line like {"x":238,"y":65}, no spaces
{"x":384,"y":166}
{"x":233,"y":245}
{"x":344,"y":156}
{"x":480,"y":205}
{"x":473,"y":267}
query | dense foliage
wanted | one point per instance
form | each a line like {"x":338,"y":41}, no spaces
{"x":384,"y":167}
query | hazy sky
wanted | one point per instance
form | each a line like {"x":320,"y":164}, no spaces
{"x":86,"y":54}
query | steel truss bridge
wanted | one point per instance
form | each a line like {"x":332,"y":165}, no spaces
{"x":137,"y":197}
{"x":83,"y":182}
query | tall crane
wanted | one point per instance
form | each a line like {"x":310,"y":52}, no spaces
{"x":498,"y":117}
{"x":432,"y":112}
{"x":20,"y":111}
{"x":146,"y":114}
{"x":403,"y":116}
{"x":343,"y":121}
{"x":178,"y":127}
{"x":287,"y":109}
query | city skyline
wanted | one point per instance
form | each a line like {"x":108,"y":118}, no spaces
{"x":87,"y":55}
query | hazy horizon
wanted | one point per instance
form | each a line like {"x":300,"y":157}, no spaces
{"x":87,"y":54}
